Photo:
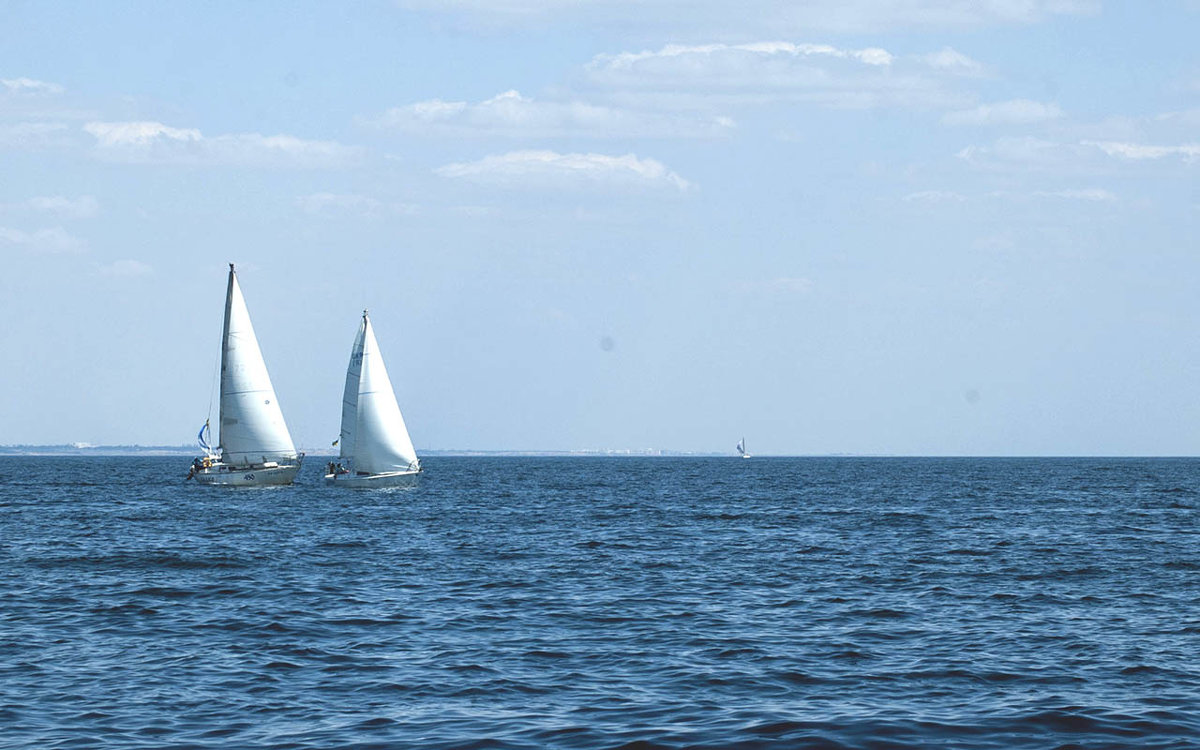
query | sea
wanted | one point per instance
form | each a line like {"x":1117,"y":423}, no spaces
{"x":587,"y":602}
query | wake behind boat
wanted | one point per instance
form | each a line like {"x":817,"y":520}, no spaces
{"x":255,"y":447}
{"x":375,"y":449}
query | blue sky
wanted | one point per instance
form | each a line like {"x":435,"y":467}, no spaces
{"x":897,"y":226}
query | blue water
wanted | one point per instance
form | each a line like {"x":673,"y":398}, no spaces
{"x":602,"y":603}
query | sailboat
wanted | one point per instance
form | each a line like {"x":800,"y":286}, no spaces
{"x":255,"y":447}
{"x":741,"y":448}
{"x":374,"y":447}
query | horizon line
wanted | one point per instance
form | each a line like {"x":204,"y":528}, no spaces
{"x":137,"y":449}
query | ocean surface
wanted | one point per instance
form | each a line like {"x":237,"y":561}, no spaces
{"x":605,"y":603}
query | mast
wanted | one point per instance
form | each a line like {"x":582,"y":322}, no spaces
{"x":224,"y":357}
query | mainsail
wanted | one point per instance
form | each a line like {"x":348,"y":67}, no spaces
{"x":252,"y":427}
{"x":374,"y":437}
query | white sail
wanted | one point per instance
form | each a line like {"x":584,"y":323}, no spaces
{"x":252,"y":427}
{"x":350,"y":396}
{"x":375,"y":438}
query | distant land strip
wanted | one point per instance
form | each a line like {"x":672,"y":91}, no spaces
{"x":87,"y":449}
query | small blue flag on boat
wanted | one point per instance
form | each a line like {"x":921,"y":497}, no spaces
{"x":203,"y":436}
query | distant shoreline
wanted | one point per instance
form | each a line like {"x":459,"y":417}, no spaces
{"x":99,"y":451}
{"x":76,"y":449}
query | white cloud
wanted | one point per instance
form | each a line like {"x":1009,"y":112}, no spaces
{"x":33,"y":116}
{"x":511,"y":114}
{"x":1020,"y":152}
{"x":1029,"y":152}
{"x":776,"y":71}
{"x":548,"y":168}
{"x":154,"y":142}
{"x":126,"y":268}
{"x":1189,"y":118}
{"x":952,"y":60}
{"x":54,"y":240}
{"x":83,"y":207}
{"x":1140,"y":151}
{"x":627,"y":60}
{"x":1014,"y":112}
{"x":117,"y":134}
{"x":1098,"y":195}
{"x":29,"y":86}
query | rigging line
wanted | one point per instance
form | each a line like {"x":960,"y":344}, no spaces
{"x":212,"y":388}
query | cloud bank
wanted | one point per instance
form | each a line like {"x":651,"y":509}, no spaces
{"x":510,"y":114}
{"x":1141,"y":151}
{"x":1014,"y":112}
{"x":549,"y":168}
{"x":29,"y":86}
{"x":83,"y":207}
{"x":53,"y":240}
{"x":148,"y":142}
{"x":761,"y":72}
{"x":628,"y":60}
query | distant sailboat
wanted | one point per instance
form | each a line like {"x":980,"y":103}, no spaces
{"x":255,"y":447}
{"x":374,"y":446}
{"x":741,"y":448}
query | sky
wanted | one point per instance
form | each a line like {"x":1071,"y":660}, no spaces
{"x":920,"y":227}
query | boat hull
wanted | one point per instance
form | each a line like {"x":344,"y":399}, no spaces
{"x":373,"y":481}
{"x":222,"y":475}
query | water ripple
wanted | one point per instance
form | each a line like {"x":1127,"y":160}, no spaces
{"x":580,"y":603}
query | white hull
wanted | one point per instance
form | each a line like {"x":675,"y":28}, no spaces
{"x":248,"y":476}
{"x":370,"y":481}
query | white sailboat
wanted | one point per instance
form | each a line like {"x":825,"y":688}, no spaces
{"x":255,"y":447}
{"x":375,"y":449}
{"x":741,"y":448}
